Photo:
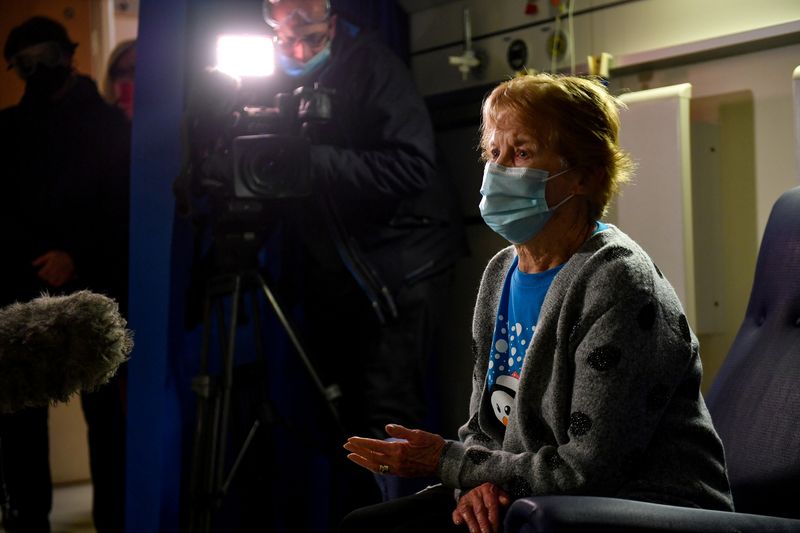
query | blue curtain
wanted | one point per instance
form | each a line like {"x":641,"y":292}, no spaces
{"x":154,"y":440}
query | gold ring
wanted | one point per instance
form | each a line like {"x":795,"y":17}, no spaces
{"x":383,"y":469}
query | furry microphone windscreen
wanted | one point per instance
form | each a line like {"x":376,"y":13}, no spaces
{"x":54,"y":346}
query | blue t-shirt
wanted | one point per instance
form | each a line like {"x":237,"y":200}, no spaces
{"x":517,"y":315}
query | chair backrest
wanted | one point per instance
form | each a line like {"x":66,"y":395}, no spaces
{"x":755,"y":399}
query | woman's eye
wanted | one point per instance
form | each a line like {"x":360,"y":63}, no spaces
{"x":522,"y":154}
{"x":495,"y":153}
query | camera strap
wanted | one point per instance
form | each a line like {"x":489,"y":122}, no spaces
{"x":376,"y":292}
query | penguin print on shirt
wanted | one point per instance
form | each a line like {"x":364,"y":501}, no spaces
{"x":515,"y":331}
{"x":503,"y":393}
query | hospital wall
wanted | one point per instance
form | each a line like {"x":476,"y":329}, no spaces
{"x":747,"y":99}
{"x":739,"y":58}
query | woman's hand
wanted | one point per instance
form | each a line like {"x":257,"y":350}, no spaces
{"x":480,"y":508}
{"x":416,"y":455}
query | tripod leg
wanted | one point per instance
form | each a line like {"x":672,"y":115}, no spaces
{"x":209,"y":482}
{"x":267,"y":413}
{"x":213,"y":400}
{"x":226,"y":384}
{"x":242,"y":451}
{"x":332,"y":393}
{"x":199,"y":486}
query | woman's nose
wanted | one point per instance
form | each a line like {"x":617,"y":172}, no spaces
{"x":506,"y":158}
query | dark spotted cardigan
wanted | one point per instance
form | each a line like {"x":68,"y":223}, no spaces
{"x":609,"y":398}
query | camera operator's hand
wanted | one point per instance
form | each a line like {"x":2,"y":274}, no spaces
{"x":56,"y":267}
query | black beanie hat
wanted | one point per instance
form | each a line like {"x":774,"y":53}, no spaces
{"x":36,"y":30}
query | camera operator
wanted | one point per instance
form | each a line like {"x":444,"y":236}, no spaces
{"x":371,"y":253}
{"x":63,"y":214}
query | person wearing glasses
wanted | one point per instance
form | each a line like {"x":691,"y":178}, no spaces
{"x":304,"y":32}
{"x":63,"y":210}
{"x":369,"y":256}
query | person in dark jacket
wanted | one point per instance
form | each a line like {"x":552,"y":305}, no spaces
{"x":397,"y":231}
{"x":63,"y":227}
{"x":372,"y":251}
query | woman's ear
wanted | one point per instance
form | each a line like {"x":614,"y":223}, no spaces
{"x":587,"y":181}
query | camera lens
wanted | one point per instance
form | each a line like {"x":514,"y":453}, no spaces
{"x":260,"y":174}
{"x":270,"y":166}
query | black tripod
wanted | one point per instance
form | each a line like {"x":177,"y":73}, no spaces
{"x":209,"y":481}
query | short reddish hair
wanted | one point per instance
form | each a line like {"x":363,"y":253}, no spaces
{"x":579,"y":121}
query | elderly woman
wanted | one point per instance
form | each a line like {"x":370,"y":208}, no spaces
{"x":587,"y":375}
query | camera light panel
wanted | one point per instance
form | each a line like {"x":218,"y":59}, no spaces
{"x":245,"y":55}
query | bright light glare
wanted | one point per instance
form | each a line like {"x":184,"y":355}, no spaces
{"x":245,"y":55}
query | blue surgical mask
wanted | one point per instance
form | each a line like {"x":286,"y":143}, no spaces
{"x":296,"y":69}
{"x":514,"y":203}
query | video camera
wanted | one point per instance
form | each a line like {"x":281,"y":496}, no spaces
{"x":241,"y":154}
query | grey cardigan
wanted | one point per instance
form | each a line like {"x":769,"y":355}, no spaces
{"x":609,"y":397}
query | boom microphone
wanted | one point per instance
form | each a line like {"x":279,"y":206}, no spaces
{"x":54,"y":346}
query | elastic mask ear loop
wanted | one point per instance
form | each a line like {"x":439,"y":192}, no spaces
{"x":562,"y":202}
{"x":557,"y":174}
{"x":565,"y":200}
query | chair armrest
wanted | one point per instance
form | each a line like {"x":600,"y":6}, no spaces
{"x":579,"y":514}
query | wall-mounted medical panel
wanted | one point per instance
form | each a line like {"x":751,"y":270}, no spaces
{"x":502,"y":55}
{"x":637,"y":33}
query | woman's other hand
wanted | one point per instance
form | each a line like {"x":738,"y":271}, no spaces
{"x":480,"y":508}
{"x":416,"y":455}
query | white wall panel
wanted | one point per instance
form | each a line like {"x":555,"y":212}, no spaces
{"x":656,"y":208}
{"x":796,"y":88}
